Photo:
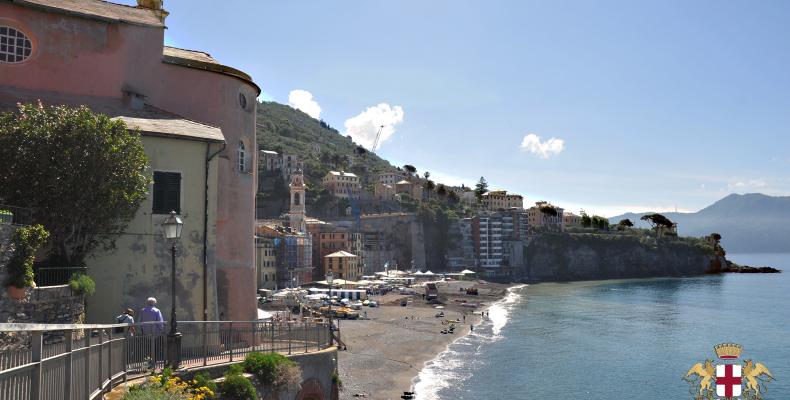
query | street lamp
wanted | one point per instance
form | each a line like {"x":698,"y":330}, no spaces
{"x":329,"y":279}
{"x":172,"y":227}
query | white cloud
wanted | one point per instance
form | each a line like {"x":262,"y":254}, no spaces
{"x":363,"y":127}
{"x":750,"y":184}
{"x":303,"y":100}
{"x":551,"y":147}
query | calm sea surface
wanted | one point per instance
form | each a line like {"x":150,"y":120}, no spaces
{"x":624,"y":339}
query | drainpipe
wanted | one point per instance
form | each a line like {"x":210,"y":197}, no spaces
{"x":205,"y":228}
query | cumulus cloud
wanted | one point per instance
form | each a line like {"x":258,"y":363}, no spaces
{"x":543,"y":149}
{"x":303,"y":100}
{"x":363,"y":127}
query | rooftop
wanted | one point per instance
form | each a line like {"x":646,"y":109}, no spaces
{"x":203,"y":61}
{"x":149,"y":120}
{"x":342,"y":173}
{"x":97,"y":9}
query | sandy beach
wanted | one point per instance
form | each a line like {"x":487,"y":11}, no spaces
{"x":387,"y":350}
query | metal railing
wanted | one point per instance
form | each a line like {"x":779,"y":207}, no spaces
{"x":53,"y":276}
{"x":69,"y":362}
{"x":15,"y":215}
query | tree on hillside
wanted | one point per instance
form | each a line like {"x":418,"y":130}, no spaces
{"x":427,"y":175}
{"x":625,"y":223}
{"x":548,"y":210}
{"x":481,"y":188}
{"x":410,"y":169}
{"x":600,"y":223}
{"x":452,"y":197}
{"x":657,"y":222}
{"x":586,"y":220}
{"x":429,"y":186}
{"x":716,"y":237}
{"x":441,"y":190}
{"x":83,"y":174}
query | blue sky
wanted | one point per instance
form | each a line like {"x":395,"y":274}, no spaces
{"x":653,"y":104}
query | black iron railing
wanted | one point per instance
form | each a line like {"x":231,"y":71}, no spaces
{"x":53,"y":276}
{"x":15,"y":215}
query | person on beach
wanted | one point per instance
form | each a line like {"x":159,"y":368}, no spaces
{"x":471,"y":328}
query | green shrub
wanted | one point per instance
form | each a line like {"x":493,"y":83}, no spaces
{"x":27,"y":240}
{"x":151,"y":392}
{"x":337,"y":381}
{"x":273,"y":369}
{"x":202,"y":379}
{"x":82,"y":284}
{"x":237,"y":386}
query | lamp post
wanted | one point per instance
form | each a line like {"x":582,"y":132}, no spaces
{"x":172,"y":227}
{"x":329,"y":279}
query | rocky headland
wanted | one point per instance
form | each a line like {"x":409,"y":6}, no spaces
{"x":581,"y":256}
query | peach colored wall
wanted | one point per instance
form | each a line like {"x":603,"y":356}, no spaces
{"x":80,"y":56}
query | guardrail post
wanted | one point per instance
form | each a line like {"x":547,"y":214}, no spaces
{"x":289,"y":338}
{"x":205,"y":344}
{"x":101,"y":358}
{"x":67,"y":366}
{"x":230,"y":339}
{"x":36,"y":342}
{"x":126,"y":351}
{"x":109,"y":356}
{"x":318,"y":336}
{"x":254,"y":335}
{"x":304,"y":333}
{"x":271,"y":337}
{"x":87,"y":362}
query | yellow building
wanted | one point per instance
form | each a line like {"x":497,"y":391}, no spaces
{"x":342,"y":184}
{"x":501,"y":200}
{"x":413,"y":189}
{"x":541,"y":216}
{"x":265,"y":263}
{"x":343,"y":265}
{"x":383,"y":192}
{"x":570,"y":219}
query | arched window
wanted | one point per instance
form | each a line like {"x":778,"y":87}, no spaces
{"x":297,"y":199}
{"x":15,"y":46}
{"x":242,"y":157}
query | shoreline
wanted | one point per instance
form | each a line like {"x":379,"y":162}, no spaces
{"x":387,"y":352}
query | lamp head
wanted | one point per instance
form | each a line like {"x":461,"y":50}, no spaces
{"x":173,"y":225}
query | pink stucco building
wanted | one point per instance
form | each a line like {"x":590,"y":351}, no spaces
{"x":197,"y":118}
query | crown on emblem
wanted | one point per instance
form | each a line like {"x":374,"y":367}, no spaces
{"x":728,"y":350}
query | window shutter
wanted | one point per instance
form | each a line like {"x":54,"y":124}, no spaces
{"x":167,"y":192}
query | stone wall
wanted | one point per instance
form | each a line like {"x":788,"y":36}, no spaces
{"x":46,"y":305}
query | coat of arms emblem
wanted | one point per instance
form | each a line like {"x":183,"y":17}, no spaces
{"x":744,"y":380}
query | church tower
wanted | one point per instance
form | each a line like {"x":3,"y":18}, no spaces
{"x":297,"y":213}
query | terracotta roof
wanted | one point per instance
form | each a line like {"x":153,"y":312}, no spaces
{"x":340,"y":253}
{"x":97,"y":9}
{"x":204,"y":61}
{"x":149,"y":120}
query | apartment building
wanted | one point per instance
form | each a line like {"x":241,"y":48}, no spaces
{"x":501,"y":200}
{"x":544,"y":215}
{"x":342,"y":184}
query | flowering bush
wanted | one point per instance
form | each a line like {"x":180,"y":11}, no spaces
{"x":169,"y":387}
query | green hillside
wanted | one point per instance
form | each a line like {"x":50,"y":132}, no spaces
{"x":286,"y":130}
{"x":320,"y":147}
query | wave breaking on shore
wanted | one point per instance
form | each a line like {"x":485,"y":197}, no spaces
{"x":462,"y":356}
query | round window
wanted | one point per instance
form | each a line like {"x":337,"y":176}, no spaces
{"x":243,"y":101}
{"x":15,"y":46}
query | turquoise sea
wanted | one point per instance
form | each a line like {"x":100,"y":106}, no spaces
{"x":624,"y":339}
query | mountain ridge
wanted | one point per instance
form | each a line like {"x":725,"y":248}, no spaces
{"x":750,"y":222}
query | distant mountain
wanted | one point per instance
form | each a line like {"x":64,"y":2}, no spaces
{"x":751,"y":222}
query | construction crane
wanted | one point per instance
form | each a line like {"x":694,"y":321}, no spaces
{"x":376,"y":142}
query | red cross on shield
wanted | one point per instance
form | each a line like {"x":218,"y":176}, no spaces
{"x":728,"y":380}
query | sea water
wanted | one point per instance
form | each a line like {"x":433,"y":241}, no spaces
{"x":623,"y":339}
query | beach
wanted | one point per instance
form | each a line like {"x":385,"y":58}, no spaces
{"x":386,"y":351}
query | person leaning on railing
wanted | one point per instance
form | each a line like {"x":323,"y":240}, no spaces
{"x":126,"y":318}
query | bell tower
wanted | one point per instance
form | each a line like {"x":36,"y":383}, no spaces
{"x":297,"y":213}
